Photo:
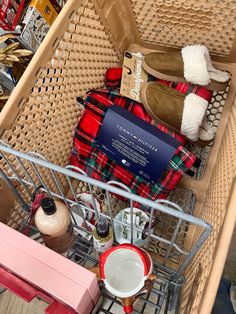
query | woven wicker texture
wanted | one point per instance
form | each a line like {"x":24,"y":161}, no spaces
{"x":176,"y":23}
{"x":167,"y":225}
{"x":214,"y":112}
{"x":47,"y":120}
{"x":215,"y":206}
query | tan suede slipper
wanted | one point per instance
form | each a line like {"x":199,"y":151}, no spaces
{"x":192,"y":64}
{"x":182,"y":114}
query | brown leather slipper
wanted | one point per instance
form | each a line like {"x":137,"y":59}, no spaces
{"x":192,"y":64}
{"x":180,"y":113}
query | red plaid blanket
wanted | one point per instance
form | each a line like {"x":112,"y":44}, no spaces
{"x":97,"y":165}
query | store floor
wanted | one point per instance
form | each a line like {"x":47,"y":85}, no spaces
{"x":11,"y":304}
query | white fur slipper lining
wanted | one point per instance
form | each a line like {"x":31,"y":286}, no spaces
{"x":198,"y":68}
{"x":194,"y":111}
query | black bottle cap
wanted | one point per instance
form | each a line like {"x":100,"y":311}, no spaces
{"x":102,"y":227}
{"x":48,"y":206}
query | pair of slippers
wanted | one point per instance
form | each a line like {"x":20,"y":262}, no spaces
{"x":184,"y":114}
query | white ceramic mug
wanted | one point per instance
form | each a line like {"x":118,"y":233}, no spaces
{"x":124,"y":270}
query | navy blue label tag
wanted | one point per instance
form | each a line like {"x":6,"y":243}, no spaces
{"x":136,"y":145}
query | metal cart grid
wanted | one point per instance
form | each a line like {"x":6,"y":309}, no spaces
{"x":24,"y":172}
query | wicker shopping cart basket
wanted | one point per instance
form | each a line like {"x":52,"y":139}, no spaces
{"x":88,"y":37}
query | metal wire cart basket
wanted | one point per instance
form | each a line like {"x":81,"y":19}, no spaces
{"x":23,"y":173}
{"x":87,"y":38}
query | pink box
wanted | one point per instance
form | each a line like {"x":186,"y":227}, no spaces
{"x":64,"y":280}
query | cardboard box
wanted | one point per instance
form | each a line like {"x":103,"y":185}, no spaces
{"x":135,"y":144}
{"x":134,"y":78}
{"x":54,"y":274}
{"x":39,"y":16}
{"x":6,"y":80}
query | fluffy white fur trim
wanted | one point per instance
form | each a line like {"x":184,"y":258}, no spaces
{"x":215,"y":74}
{"x":198,"y":68}
{"x":194,"y":111}
{"x":195,"y":65}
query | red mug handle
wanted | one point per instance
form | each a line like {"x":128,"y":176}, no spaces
{"x":27,"y":292}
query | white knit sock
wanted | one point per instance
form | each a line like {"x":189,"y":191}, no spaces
{"x":194,"y":111}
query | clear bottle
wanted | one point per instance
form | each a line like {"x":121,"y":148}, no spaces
{"x":102,"y":236}
{"x":54,"y":223}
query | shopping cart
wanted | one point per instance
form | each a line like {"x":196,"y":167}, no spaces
{"x":87,"y":38}
{"x":23,"y":173}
